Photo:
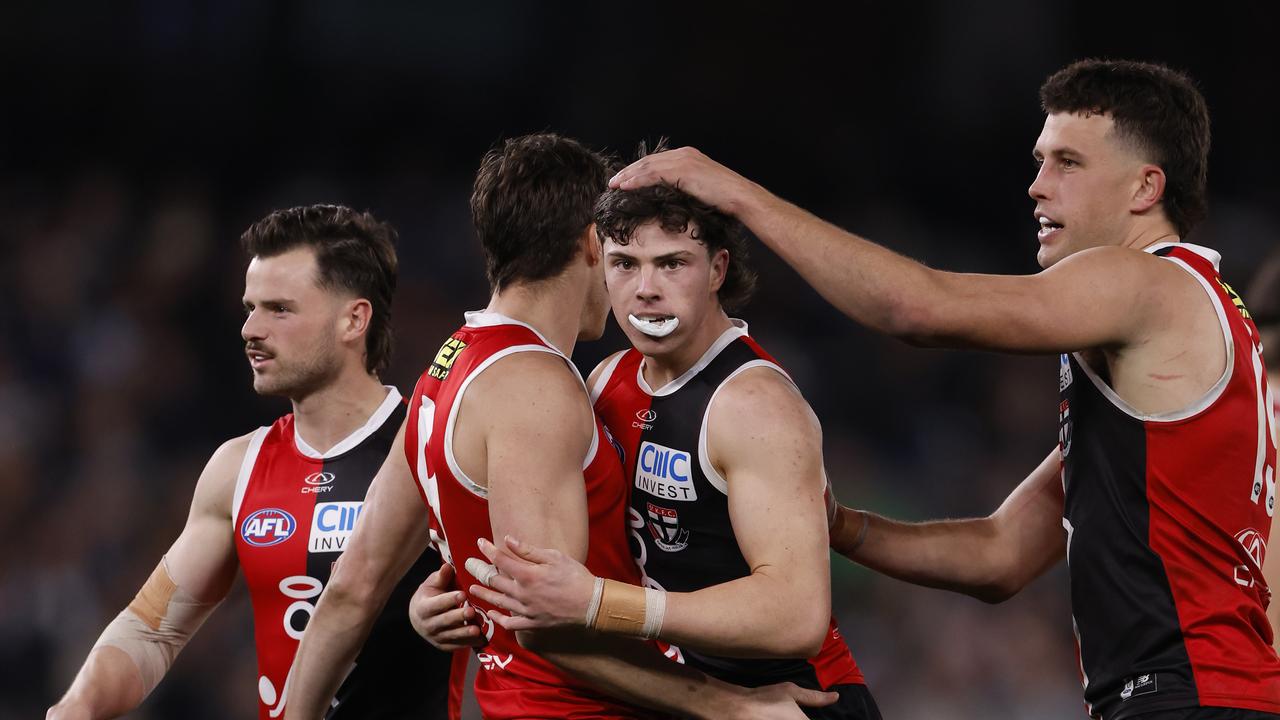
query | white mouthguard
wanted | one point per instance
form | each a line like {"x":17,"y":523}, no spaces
{"x":654,"y":328}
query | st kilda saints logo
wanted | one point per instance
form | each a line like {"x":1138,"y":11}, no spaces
{"x":664,"y":526}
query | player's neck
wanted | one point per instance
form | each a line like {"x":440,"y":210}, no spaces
{"x":542,"y":306}
{"x":325,"y":417}
{"x":1145,"y":235}
{"x":662,"y":369}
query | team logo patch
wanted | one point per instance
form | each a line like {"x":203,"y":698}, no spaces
{"x":665,"y":472}
{"x":664,"y":525}
{"x":267,"y":527}
{"x":1064,"y":427}
{"x":331,"y":526}
{"x":445,"y":357}
{"x":318,"y":482}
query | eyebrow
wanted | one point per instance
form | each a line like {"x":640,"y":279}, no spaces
{"x":1058,"y":152}
{"x":268,"y":301}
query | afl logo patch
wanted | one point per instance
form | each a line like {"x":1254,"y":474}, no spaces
{"x":267,"y":527}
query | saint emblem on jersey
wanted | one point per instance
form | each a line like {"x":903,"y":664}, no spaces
{"x":1064,"y":427}
{"x":664,"y":525}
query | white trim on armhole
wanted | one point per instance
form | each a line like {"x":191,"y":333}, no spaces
{"x":605,"y":375}
{"x":246,"y":470}
{"x":704,"y":456}
{"x":1209,"y":398}
{"x":466,"y":482}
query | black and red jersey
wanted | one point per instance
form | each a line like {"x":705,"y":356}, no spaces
{"x":512,"y":682}
{"x":1167,"y":519}
{"x":680,"y":529}
{"x":294,"y":511}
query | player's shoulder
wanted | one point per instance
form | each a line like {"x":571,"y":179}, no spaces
{"x":762,"y":396}
{"x":1117,"y":264}
{"x":603,"y":367}
{"x":217,"y":482}
{"x":544,"y":381}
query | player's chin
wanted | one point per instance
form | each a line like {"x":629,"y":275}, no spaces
{"x":1049,"y":254}
{"x":266,"y":384}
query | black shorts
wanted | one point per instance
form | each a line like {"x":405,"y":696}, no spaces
{"x":855,"y":703}
{"x":1207,"y":713}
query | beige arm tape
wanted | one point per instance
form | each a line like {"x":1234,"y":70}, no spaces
{"x":156,"y":625}
{"x":627,"y":609}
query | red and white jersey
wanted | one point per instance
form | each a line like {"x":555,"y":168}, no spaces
{"x":681,"y":533}
{"x":294,"y":511}
{"x":512,"y":682}
{"x":1167,"y":519}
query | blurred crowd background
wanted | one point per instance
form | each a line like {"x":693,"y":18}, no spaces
{"x":138,"y":139}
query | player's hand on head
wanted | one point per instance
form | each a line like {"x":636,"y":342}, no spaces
{"x":691,"y":171}
{"x":438,"y":614}
{"x":535,"y":587}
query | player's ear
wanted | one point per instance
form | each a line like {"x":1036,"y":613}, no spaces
{"x":719,"y":268}
{"x":592,"y":250}
{"x":1149,"y":190}
{"x":354,"y":322}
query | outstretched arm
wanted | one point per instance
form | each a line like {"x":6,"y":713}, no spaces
{"x":137,"y":648}
{"x":391,"y":534}
{"x":1066,"y":308}
{"x":990,"y":558}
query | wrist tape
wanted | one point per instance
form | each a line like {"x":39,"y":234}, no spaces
{"x":623,"y":609}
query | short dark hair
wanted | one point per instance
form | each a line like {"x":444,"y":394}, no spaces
{"x":532,"y":202}
{"x":354,"y":251}
{"x":1157,"y":109}
{"x":619,"y":213}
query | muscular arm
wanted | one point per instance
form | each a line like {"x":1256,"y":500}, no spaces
{"x":537,"y":427}
{"x":391,"y":534}
{"x":1071,"y":306}
{"x":202,"y":562}
{"x":990,"y":558}
{"x":767,"y":444}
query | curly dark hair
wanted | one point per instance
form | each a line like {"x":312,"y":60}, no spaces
{"x":1158,"y":110}
{"x":354,"y":251}
{"x":532,"y":202}
{"x":619,"y":213}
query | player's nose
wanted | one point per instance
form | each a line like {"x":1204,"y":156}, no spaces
{"x":253,"y":328}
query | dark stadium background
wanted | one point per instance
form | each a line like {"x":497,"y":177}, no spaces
{"x":138,"y":139}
